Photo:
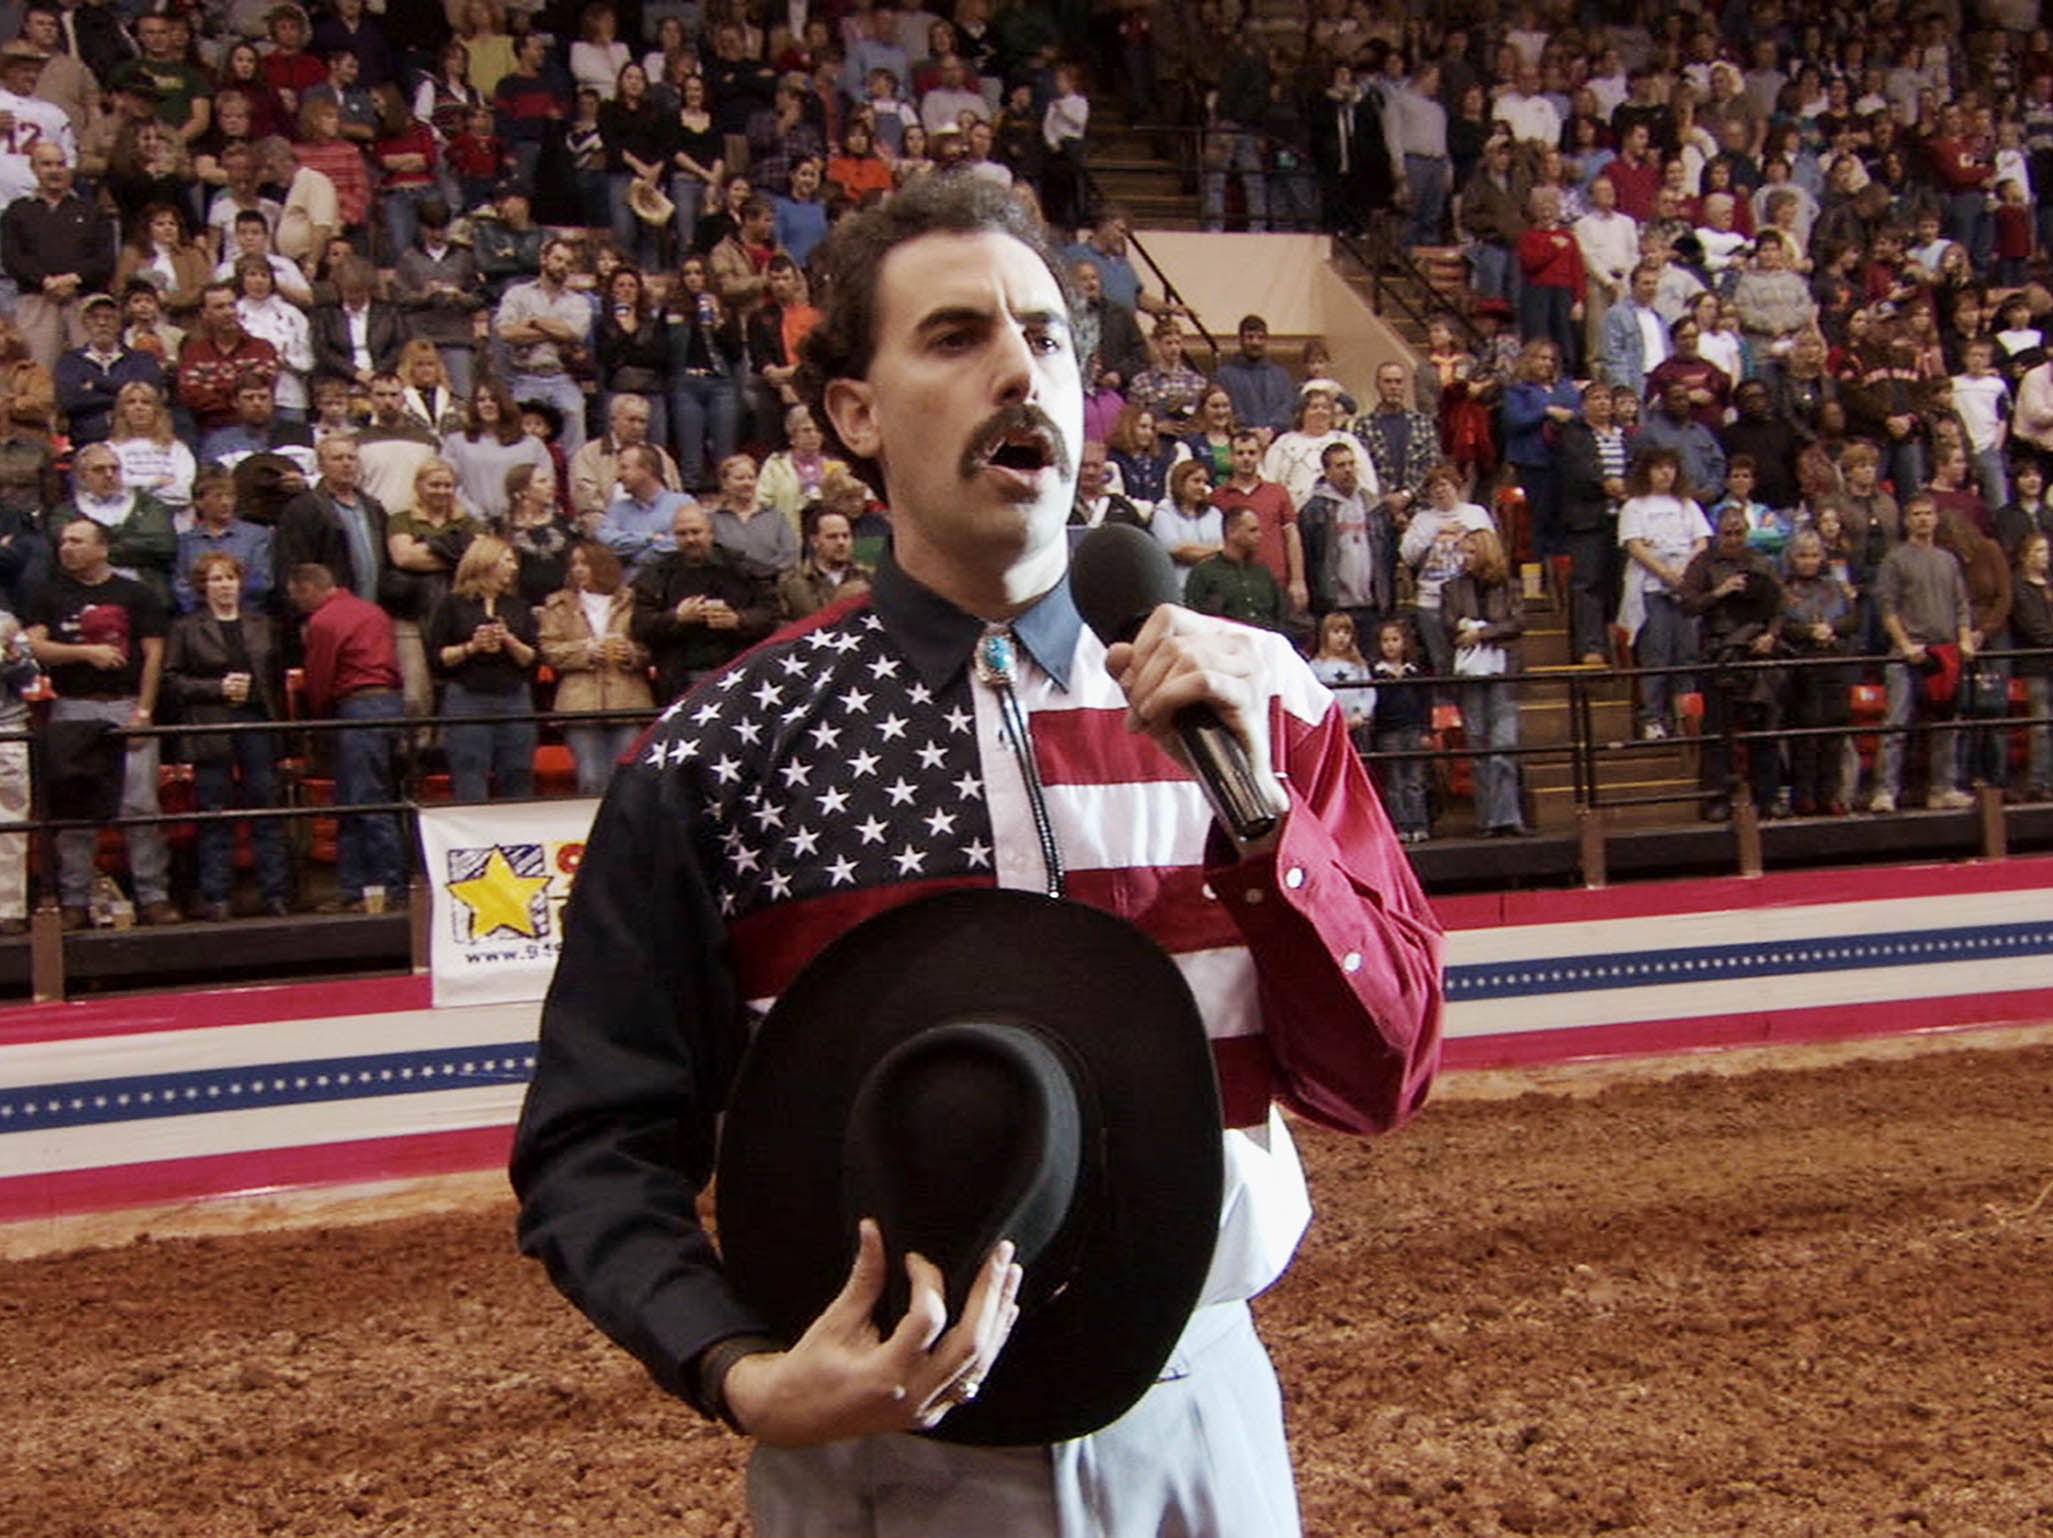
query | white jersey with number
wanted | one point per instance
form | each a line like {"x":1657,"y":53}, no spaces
{"x":35,"y":120}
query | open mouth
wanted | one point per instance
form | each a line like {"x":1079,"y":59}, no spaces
{"x":1025,"y":452}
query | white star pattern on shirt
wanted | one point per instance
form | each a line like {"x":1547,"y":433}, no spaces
{"x":797,"y":794}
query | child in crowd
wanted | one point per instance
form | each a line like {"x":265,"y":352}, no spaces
{"x":2013,"y":234}
{"x":1403,"y":714}
{"x":1983,"y":401}
{"x":1340,"y":666}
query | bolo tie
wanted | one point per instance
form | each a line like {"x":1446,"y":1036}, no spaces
{"x":997,"y":665}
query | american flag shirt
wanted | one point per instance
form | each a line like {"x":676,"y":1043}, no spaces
{"x":859,"y":762}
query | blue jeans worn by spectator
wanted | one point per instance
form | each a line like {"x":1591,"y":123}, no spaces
{"x":1667,"y":638}
{"x":596,"y":751}
{"x":705,"y":423}
{"x":490,"y":759}
{"x":1403,"y":780}
{"x":1904,"y":690}
{"x":1427,"y":177}
{"x":1493,"y":271}
{"x":1489,"y":720}
{"x":1231,"y":151}
{"x":367,"y":851}
{"x":459,"y":364}
{"x":635,"y":237}
{"x":149,"y":859}
{"x":2038,"y":702}
{"x":688,"y":193}
{"x":245,"y":775}
{"x":1985,"y":749}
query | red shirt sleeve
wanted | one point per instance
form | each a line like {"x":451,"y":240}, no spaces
{"x":1347,"y":950}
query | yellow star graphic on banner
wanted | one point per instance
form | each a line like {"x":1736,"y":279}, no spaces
{"x":499,"y":898}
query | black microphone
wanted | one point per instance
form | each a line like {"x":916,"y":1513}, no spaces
{"x":1119,"y":575}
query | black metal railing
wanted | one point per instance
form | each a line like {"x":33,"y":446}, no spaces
{"x":1582,"y":746}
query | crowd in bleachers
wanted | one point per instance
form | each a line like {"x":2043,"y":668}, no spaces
{"x":447,"y":353}
{"x":1755,"y":291}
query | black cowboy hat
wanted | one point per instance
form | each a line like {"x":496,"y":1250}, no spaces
{"x":971,"y":1067}
{"x":550,"y":413}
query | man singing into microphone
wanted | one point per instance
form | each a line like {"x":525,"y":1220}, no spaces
{"x":958,"y":726}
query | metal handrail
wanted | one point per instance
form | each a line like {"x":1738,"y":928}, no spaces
{"x":1383,"y":255}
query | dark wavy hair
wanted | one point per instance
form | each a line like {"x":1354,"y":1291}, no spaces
{"x":844,"y":342}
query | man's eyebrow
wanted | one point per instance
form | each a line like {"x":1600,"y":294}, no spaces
{"x":970,"y":314}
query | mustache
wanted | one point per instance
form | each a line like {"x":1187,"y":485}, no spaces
{"x":1005,"y":423}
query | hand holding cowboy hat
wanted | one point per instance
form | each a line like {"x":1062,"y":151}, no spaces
{"x":648,"y":202}
{"x":1036,"y":1141}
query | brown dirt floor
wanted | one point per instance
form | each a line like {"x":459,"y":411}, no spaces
{"x":1813,"y":1302}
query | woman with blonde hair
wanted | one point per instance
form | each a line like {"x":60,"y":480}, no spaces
{"x":482,"y":642}
{"x":430,"y":400}
{"x":1484,"y":620}
{"x":152,"y":458}
{"x":423,"y":543}
{"x":598,"y":665}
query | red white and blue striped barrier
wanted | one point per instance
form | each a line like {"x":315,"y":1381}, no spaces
{"x":142,"y":1102}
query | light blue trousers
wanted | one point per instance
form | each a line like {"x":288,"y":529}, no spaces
{"x":1201,"y":1456}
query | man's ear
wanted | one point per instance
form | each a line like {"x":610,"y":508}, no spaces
{"x":851,"y":407}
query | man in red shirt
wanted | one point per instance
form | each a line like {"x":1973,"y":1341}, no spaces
{"x":352,"y":674}
{"x":1282,"y":551}
{"x":1964,"y":176}
{"x":1635,"y":173}
{"x":216,"y":354}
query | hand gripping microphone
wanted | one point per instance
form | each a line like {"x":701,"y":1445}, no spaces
{"x":1118,"y":576}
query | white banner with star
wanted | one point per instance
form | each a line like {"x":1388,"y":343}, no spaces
{"x":499,"y":876}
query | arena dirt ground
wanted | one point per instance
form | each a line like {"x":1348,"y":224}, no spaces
{"x":1800,"y":1302}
